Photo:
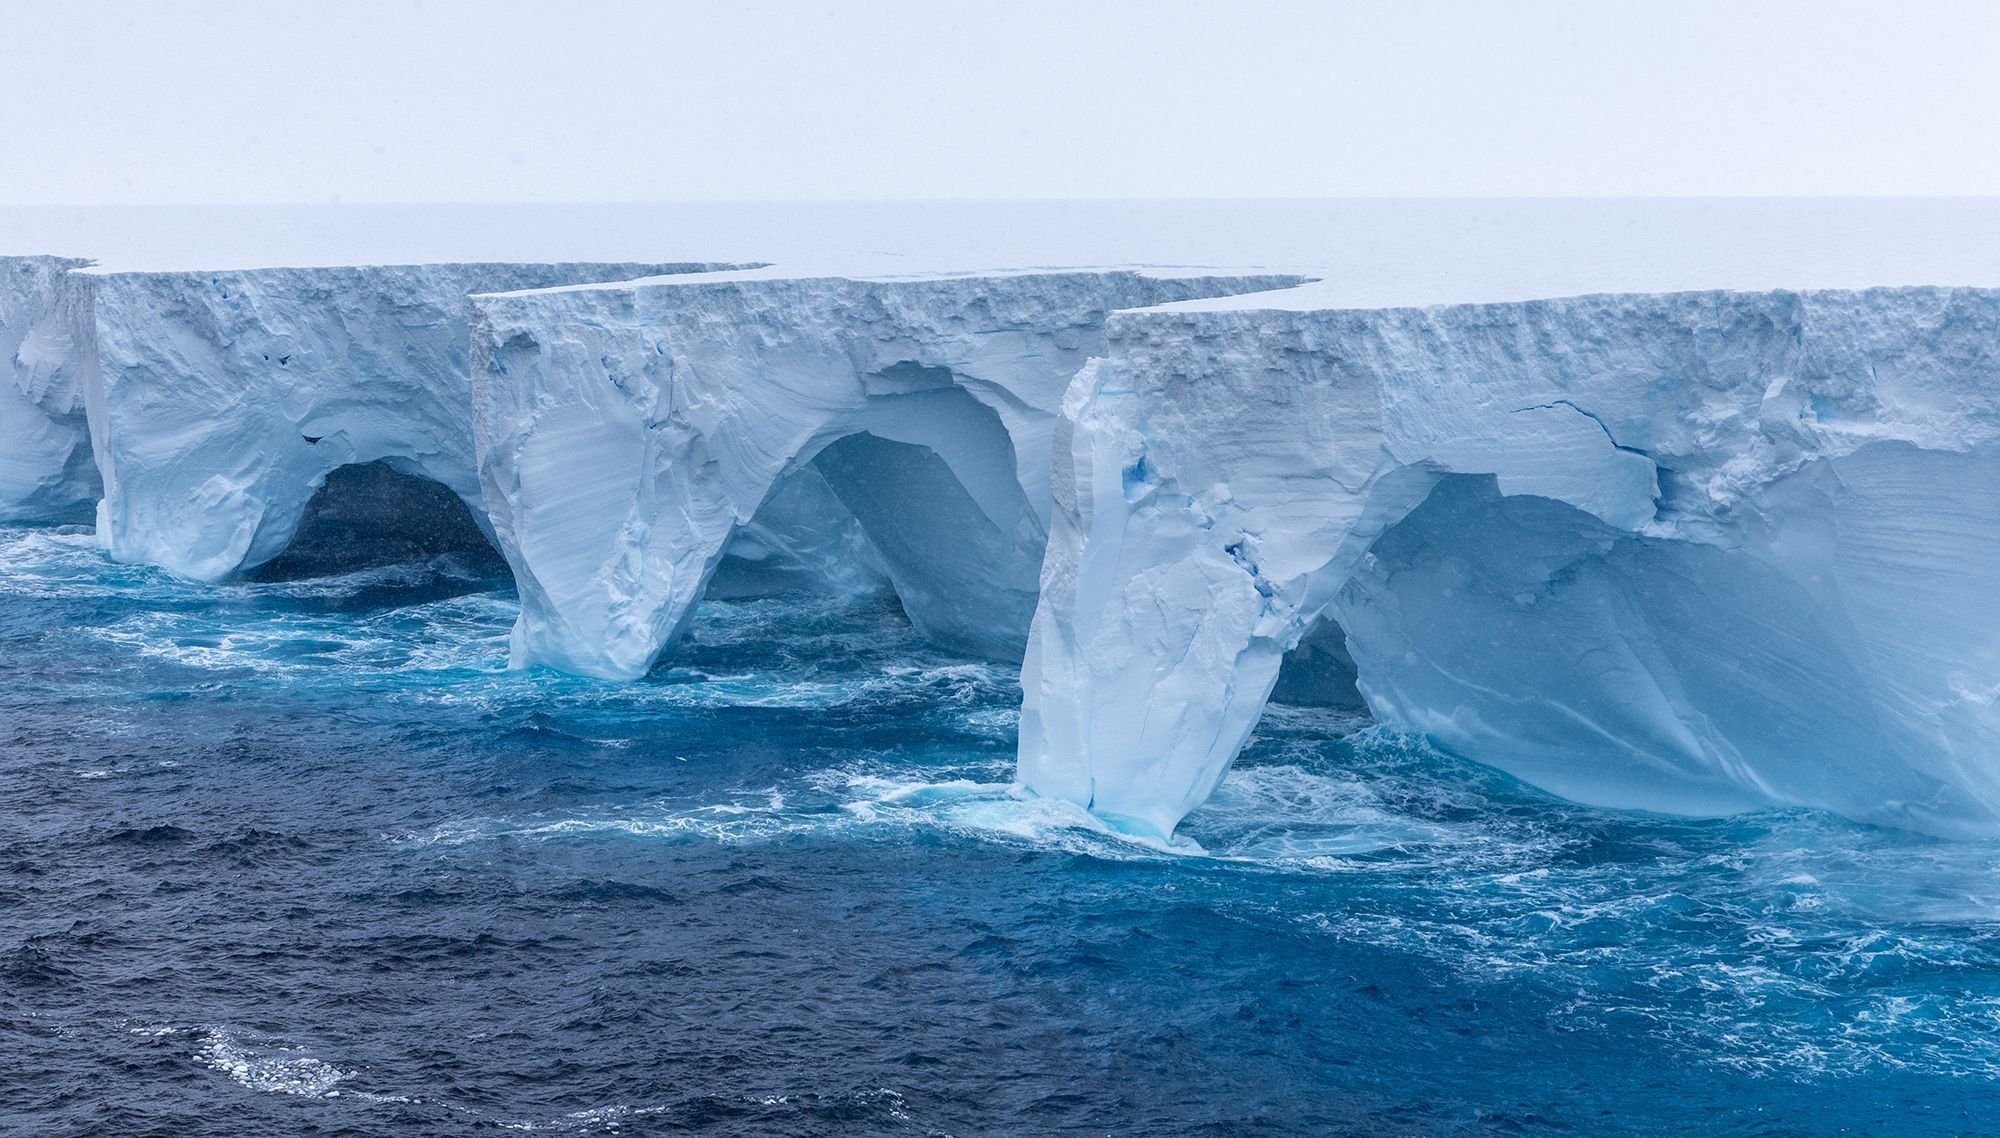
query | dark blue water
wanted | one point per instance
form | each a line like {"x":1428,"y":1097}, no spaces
{"x":300,"y":858}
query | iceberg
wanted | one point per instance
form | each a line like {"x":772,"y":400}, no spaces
{"x":627,"y":433}
{"x":1693,"y":553}
{"x":1689,"y":551}
{"x":219,"y":402}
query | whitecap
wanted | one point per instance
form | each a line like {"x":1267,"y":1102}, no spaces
{"x":273,"y":1069}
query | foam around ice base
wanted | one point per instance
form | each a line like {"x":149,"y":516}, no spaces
{"x":1690,"y":553}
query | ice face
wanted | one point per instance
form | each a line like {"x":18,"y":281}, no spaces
{"x":219,"y":402}
{"x":627,"y":433}
{"x":803,"y":537}
{"x":45,"y":469}
{"x":1693,"y":552}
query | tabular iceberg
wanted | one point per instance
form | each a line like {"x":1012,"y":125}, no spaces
{"x":218,"y":402}
{"x":627,"y":433}
{"x":1691,"y":552}
{"x":1695,"y":552}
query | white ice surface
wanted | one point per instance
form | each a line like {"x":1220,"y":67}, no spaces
{"x":219,"y":401}
{"x":45,"y":468}
{"x":1696,"y":552}
{"x":627,"y":432}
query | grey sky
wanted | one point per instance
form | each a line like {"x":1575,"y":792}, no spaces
{"x":396,"y":101}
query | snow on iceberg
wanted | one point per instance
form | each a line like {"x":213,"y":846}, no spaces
{"x":628,"y":432}
{"x":1690,"y":552}
{"x":219,"y":402}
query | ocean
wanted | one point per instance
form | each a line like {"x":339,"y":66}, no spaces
{"x":298,"y":855}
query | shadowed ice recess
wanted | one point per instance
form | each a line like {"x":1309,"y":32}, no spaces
{"x":304,"y":852}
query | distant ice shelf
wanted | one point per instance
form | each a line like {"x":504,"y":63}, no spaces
{"x":1692,"y":551}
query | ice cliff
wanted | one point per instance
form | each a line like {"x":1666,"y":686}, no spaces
{"x":1694,"y":552}
{"x":628,"y":433}
{"x":45,"y":469}
{"x":218,"y":402}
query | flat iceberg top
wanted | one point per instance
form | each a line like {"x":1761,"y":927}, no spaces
{"x":782,"y":275}
{"x":494,"y":272}
{"x":1369,"y":253}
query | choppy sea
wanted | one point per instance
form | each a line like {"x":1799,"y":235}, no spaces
{"x":301,"y":857}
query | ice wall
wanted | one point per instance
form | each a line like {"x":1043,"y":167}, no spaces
{"x":45,"y":468}
{"x":627,"y":432}
{"x":1692,"y":552}
{"x":218,"y":402}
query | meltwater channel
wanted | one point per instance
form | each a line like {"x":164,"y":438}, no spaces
{"x":298,"y":856}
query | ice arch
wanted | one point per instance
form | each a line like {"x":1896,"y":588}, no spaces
{"x":802,"y":538}
{"x":939,"y":523}
{"x":1620,"y":669}
{"x":1320,"y":671}
{"x":1694,"y":553}
{"x":869,"y":513}
{"x":959,"y":541}
{"x":378,"y":514}
{"x":219,"y":401}
{"x":626,"y":432}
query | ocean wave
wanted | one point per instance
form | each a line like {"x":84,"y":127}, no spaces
{"x":271,"y":1068}
{"x":1784,"y":945}
{"x":1271,"y":816}
{"x":1744,"y":941}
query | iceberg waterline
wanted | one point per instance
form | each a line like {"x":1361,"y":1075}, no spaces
{"x":1694,"y":552}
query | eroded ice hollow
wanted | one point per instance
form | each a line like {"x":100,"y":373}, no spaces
{"x":1694,"y":552}
{"x":219,"y":402}
{"x":627,"y":433}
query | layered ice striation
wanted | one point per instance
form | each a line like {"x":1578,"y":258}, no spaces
{"x":219,"y":402}
{"x":1693,"y":552}
{"x":46,"y":474}
{"x":630,"y":434}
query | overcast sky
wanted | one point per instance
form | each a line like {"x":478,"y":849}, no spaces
{"x":372,"y":100}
